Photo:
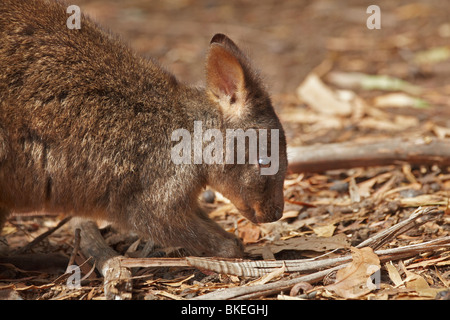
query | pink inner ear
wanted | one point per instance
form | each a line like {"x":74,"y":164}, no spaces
{"x":224,"y":72}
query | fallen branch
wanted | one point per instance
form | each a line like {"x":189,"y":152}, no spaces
{"x":117,"y":278}
{"x":318,"y":158}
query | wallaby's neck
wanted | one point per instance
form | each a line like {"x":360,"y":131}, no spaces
{"x":198,"y":107}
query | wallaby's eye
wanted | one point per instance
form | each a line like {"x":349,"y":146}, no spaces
{"x":264,"y":162}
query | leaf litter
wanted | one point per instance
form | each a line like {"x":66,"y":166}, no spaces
{"x":366,"y":88}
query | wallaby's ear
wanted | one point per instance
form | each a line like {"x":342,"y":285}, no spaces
{"x":226,"y":42}
{"x":225,"y":76}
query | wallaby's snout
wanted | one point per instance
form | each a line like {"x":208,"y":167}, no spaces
{"x":265,"y":207}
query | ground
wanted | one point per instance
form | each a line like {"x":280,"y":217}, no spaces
{"x":290,"y":41}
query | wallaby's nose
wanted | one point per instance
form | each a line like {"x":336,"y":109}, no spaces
{"x":267,"y":214}
{"x":278,"y":213}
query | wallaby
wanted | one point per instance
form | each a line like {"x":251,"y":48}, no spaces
{"x":86,"y":129}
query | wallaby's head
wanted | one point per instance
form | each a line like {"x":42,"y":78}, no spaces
{"x":253,"y":173}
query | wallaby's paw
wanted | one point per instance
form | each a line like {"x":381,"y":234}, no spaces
{"x":220,"y":246}
{"x":231,"y":248}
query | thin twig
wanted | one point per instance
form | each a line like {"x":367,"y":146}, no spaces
{"x":76,"y":247}
{"x":413,"y":249}
{"x":241,"y":293}
{"x":416,"y":219}
{"x":43,"y":236}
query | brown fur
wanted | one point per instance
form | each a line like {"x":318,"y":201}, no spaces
{"x":85,"y":129}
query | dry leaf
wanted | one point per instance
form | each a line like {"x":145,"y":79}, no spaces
{"x":318,"y":244}
{"x":249,"y":233}
{"x":7,"y":230}
{"x":166,"y":294}
{"x":432,"y":56}
{"x":290,"y":214}
{"x":286,"y":297}
{"x":177,"y":282}
{"x":325,"y":231}
{"x":354,"y":280}
{"x":439,"y":261}
{"x":356,"y":80}
{"x":394,"y":275}
{"x":321,"y":98}
{"x":355,"y":196}
{"x":399,"y":123}
{"x":412,"y":10}
{"x":399,"y":100}
{"x":406,"y":169}
{"x":133,"y":247}
{"x":441,"y":132}
{"x":222,"y":210}
{"x":171,"y":283}
{"x":365,"y":187}
{"x":420,"y":285}
{"x":424,"y":200}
